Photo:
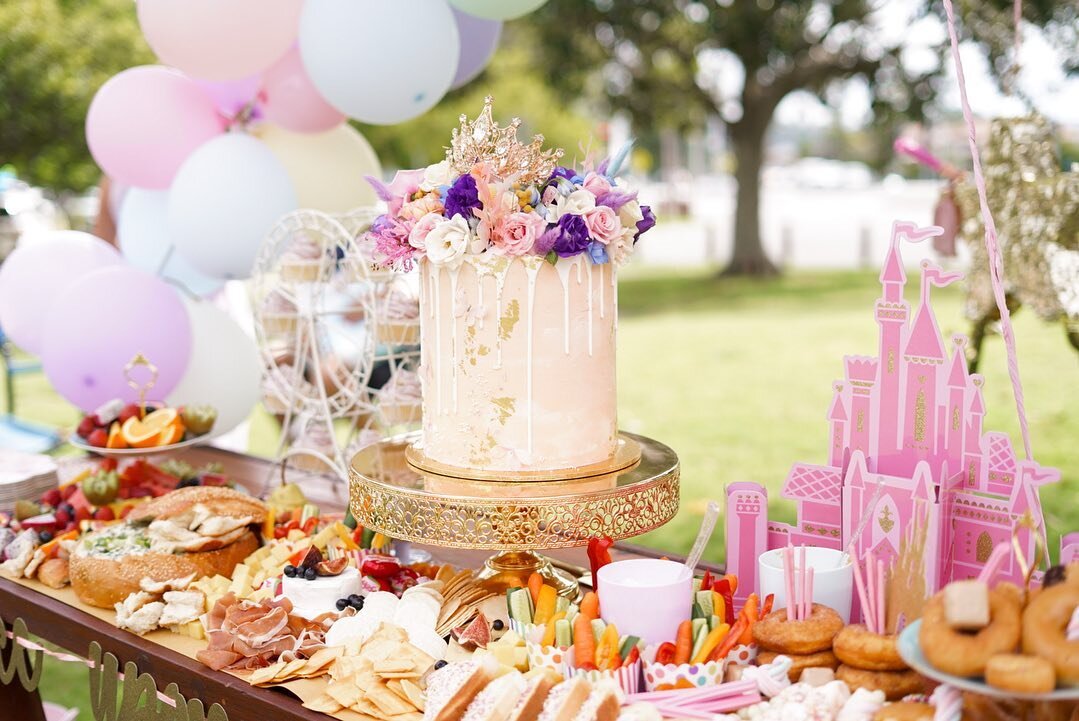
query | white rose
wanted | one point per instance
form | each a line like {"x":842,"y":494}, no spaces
{"x":448,"y":242}
{"x":578,"y":202}
{"x":630,"y":214}
{"x":437,"y":175}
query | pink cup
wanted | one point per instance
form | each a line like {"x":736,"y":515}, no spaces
{"x":646,"y":597}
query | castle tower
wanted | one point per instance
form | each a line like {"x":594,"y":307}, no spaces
{"x":747,"y":534}
{"x":972,"y":446}
{"x":837,"y":418}
{"x":955,"y":416}
{"x":892,"y":312}
{"x":861,"y":377}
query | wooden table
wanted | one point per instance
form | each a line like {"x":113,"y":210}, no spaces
{"x":73,"y":629}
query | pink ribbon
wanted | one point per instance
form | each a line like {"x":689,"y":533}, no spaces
{"x":996,"y":261}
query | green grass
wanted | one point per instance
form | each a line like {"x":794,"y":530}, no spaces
{"x":737,"y":375}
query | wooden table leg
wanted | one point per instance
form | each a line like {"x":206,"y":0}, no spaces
{"x":14,"y":699}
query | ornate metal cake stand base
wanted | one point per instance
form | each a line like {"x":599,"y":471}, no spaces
{"x":512,"y":568}
{"x":514,"y":517}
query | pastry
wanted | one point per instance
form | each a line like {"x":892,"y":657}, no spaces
{"x":894,"y":684}
{"x":1021,"y":674}
{"x":1045,"y":624}
{"x":966,"y":654}
{"x":304,"y":258}
{"x":775,"y":632}
{"x":856,"y":646}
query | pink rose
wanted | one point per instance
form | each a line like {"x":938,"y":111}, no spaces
{"x":405,"y":183}
{"x":597,"y":184}
{"x":603,"y":224}
{"x":417,"y":237}
{"x":420,"y":207}
{"x":516,"y":233}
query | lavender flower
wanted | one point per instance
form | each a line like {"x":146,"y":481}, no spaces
{"x":561,"y":171}
{"x":646,"y":223}
{"x":462,"y":197}
{"x":598,"y":252}
{"x":615,"y":198}
{"x":573,"y":238}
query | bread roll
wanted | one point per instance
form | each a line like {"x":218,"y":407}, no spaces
{"x":221,"y":501}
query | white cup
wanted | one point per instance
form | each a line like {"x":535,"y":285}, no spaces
{"x":646,"y":597}
{"x":833,"y":584}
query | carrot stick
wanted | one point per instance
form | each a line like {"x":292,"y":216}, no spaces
{"x":730,"y":641}
{"x":683,"y":643}
{"x":535,"y":583}
{"x":768,"y":601}
{"x":750,"y":612}
{"x":584,"y":643}
{"x":590,"y":605}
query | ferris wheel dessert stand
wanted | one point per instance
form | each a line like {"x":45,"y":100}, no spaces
{"x":397,"y":491}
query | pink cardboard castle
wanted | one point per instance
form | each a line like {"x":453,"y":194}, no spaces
{"x":905,"y":438}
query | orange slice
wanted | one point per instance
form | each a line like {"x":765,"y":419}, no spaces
{"x":116,"y":437}
{"x":145,"y":433}
{"x":173,"y":433}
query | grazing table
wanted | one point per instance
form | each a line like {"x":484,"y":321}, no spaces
{"x":74,"y":628}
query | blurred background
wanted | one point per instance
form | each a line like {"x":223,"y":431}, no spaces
{"x":764,"y":140}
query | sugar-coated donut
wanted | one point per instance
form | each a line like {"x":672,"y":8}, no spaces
{"x":1045,"y":623}
{"x":1022,"y":674}
{"x":965,"y":654}
{"x":859,"y":647}
{"x":894,"y":684}
{"x":800,"y":662}
{"x":775,"y":633}
{"x":905,"y":711}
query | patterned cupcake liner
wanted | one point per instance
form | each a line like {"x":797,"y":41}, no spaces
{"x":661,"y":676}
{"x":628,"y":677}
{"x":550,"y":657}
{"x":742,"y":655}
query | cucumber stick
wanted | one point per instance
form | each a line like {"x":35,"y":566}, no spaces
{"x":627,"y":645}
{"x":597,"y":628}
{"x":698,"y":639}
{"x":563,"y":633}
{"x":704,"y":600}
{"x":520,"y":605}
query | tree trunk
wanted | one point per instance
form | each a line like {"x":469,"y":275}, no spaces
{"x":749,"y":258}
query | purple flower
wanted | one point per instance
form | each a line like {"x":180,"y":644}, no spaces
{"x":615,"y":198}
{"x":561,"y":171}
{"x":646,"y":223}
{"x":573,"y":238}
{"x":598,"y":252}
{"x":545,"y":243}
{"x":462,"y":197}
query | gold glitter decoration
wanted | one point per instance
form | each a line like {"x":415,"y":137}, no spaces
{"x":483,"y":141}
{"x":984,"y":548}
{"x":887,"y":523}
{"x":919,"y":416}
{"x":1036,"y":208}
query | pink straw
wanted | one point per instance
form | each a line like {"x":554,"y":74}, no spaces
{"x":788,"y":578}
{"x":859,"y":584}
{"x":994,"y":562}
{"x":910,"y":148}
{"x":804,"y":613}
{"x":881,"y":593}
{"x":680,"y":696}
{"x":809,"y":592}
{"x":871,"y":590}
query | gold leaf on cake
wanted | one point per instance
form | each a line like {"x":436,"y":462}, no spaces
{"x":504,"y":406}
{"x":509,"y":319}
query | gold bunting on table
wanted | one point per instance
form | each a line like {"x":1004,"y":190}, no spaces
{"x":23,"y":662}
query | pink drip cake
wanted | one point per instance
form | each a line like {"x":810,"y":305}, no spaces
{"x":518,"y":262}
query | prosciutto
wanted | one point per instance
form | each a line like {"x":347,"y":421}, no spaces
{"x":246,"y":635}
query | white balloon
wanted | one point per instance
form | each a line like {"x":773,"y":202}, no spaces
{"x":226,"y":197}
{"x":143,"y":232}
{"x":380,"y":61}
{"x":224,"y":370}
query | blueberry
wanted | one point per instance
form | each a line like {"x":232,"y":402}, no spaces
{"x":498,"y":624}
{"x":342,"y":604}
{"x":188,"y":482}
{"x":440,"y":664}
{"x":310,"y":574}
{"x":290,"y":571}
{"x":67,"y":508}
{"x":355,"y":599}
{"x":44,"y":536}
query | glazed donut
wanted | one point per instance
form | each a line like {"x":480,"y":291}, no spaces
{"x":894,"y":684}
{"x":857,"y":646}
{"x":800,"y":662}
{"x":1022,"y":674}
{"x":1044,"y":623}
{"x":905,"y":711}
{"x":775,"y":633}
{"x":965,"y":654}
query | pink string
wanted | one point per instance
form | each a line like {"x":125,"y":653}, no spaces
{"x":996,"y":261}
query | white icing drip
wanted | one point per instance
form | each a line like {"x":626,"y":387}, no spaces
{"x":479,"y":300}
{"x":533,"y":271}
{"x":590,"y":272}
{"x":614,"y":297}
{"x":563,"y":269}
{"x":453,"y":339}
{"x":436,"y":287}
{"x":601,"y":313}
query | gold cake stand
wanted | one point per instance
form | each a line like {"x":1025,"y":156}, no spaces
{"x":395,"y":490}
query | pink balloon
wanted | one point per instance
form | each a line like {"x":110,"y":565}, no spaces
{"x":230,"y":96}
{"x":41,"y":267}
{"x":216,"y":40}
{"x":100,"y":322}
{"x":145,"y":121}
{"x":290,"y":99}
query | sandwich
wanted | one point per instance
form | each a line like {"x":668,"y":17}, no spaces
{"x":602,"y":704}
{"x":566,"y":700}
{"x":198,"y":530}
{"x":530,"y":702}
{"x":452,"y":688}
{"x":498,"y":700}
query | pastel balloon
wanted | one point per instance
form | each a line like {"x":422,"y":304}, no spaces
{"x":216,"y":40}
{"x":230,"y":96}
{"x":224,"y":201}
{"x":225,"y":369}
{"x":380,"y":61}
{"x":497,"y":9}
{"x":479,"y":40}
{"x":143,"y":232}
{"x":327,"y":169}
{"x":100,"y":322}
{"x":291,"y":100}
{"x":145,"y":121}
{"x":40,"y":268}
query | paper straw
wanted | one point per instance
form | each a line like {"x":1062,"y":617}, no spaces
{"x":881,"y":593}
{"x":788,"y":578}
{"x":708,"y":525}
{"x":802,"y":582}
{"x":1072,"y":634}
{"x":859,"y":584}
{"x":809,"y":592}
{"x":871,"y":590}
{"x":993,"y":563}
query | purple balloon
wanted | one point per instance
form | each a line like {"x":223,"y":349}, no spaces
{"x":230,"y":96}
{"x":479,"y":40}
{"x":101,"y":322}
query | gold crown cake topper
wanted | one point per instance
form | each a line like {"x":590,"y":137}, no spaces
{"x":483,"y":141}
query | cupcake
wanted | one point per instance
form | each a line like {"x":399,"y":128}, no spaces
{"x":279,"y":313}
{"x":282,"y":385}
{"x":303,"y":260}
{"x":398,"y":319}
{"x":399,"y":400}
{"x":318,"y":438}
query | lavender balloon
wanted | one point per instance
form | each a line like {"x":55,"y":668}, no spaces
{"x":479,"y":40}
{"x":100,"y":322}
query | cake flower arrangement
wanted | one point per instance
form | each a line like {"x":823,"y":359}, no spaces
{"x":493,"y":194}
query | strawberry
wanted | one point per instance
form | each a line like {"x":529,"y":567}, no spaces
{"x":86,"y":426}
{"x":105,"y":513}
{"x":131,"y":410}
{"x":98,"y":438}
{"x":52,"y":497}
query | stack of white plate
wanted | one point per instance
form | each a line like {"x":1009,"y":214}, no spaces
{"x":24,"y":476}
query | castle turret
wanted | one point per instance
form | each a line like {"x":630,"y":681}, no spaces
{"x":972,"y":445}
{"x":837,"y":417}
{"x":955,"y":417}
{"x":861,"y":377}
{"x":892,"y":312}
